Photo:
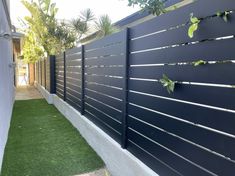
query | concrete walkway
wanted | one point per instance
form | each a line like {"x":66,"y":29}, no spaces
{"x":27,"y":93}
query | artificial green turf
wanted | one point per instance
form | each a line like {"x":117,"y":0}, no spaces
{"x":43,"y":143}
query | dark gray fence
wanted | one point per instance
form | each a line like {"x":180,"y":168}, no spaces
{"x":45,"y":73}
{"x":115,"y":82}
{"x":60,"y":77}
{"x":104,"y":82}
{"x":73,"y":77}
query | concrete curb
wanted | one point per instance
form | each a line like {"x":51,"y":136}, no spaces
{"x":48,"y":97}
{"x":119,"y":162}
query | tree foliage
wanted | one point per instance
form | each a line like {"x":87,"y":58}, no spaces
{"x":81,"y":25}
{"x":104,"y":26}
{"x":155,"y":7}
{"x":48,"y":34}
{"x":45,"y":35}
{"x":31,"y":48}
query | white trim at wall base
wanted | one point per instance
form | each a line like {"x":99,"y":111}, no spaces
{"x":118,"y":161}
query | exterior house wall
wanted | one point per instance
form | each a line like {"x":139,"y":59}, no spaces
{"x":6,"y":77}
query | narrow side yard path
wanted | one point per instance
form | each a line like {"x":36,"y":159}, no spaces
{"x":43,"y":143}
{"x":27,"y":93}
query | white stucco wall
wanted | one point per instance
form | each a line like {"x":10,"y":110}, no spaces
{"x":6,"y":81}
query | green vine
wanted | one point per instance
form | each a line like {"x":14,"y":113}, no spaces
{"x":168,"y":84}
{"x":223,"y":15}
{"x":194,"y":25}
{"x":194,"y":21}
{"x":199,"y":62}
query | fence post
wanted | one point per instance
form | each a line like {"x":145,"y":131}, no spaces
{"x":125,"y":90}
{"x":52,"y":74}
{"x":64,"y":55}
{"x":83,"y":82}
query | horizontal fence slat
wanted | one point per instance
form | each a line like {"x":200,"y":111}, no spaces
{"x":60,"y":64}
{"x":181,"y":16}
{"x":73,"y":50}
{"x":73,"y":93}
{"x":60,"y":56}
{"x":222,"y":144}
{"x":174,"y":161}
{"x":106,"y":41}
{"x":59,"y":90}
{"x":104,"y":89}
{"x":113,"y":71}
{"x":215,"y":119}
{"x":74,"y":80}
{"x":112,"y":123}
{"x":73,"y":104}
{"x":73,"y":58}
{"x":213,"y":96}
{"x":75,"y":75}
{"x":109,"y":60}
{"x":59,"y":81}
{"x":195,"y":154}
{"x":107,"y":51}
{"x":104,"y":99}
{"x":208,"y":29}
{"x":70,"y":63}
{"x":60,"y":78}
{"x":104,"y":126}
{"x":110,"y":81}
{"x":59,"y":94}
{"x":71,"y":97}
{"x":106,"y":109}
{"x":73,"y":69}
{"x":59,"y":61}
{"x":72,"y":86}
{"x":160,"y":167}
{"x":187,"y":53}
{"x":209,"y":73}
{"x":59,"y":72}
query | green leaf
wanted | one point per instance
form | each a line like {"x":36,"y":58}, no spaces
{"x":225,"y":18}
{"x":192,"y":29}
{"x":199,"y":62}
{"x":171,"y":87}
{"x":223,"y":15}
{"x":169,"y":84}
{"x":194,"y":25}
{"x":194,"y":20}
{"x":218,"y":14}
